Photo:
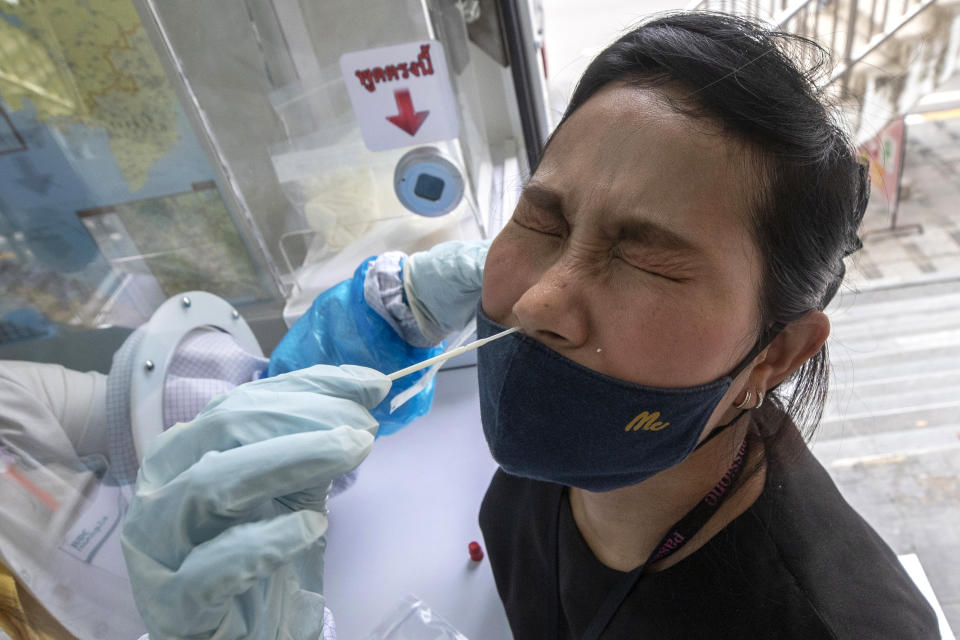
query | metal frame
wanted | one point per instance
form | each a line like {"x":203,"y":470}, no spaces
{"x":865,"y":29}
{"x":527,"y":81}
{"x":226,"y":182}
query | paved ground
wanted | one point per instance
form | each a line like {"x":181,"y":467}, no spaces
{"x":889,"y":436}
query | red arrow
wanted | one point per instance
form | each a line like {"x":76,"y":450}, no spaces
{"x":408,"y":119}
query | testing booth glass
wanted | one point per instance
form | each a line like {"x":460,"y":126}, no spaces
{"x":153,"y":147}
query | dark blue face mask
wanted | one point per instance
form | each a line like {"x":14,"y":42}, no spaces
{"x":548,"y":418}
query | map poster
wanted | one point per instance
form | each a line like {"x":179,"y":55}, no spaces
{"x":184,"y":241}
{"x":89,"y":120}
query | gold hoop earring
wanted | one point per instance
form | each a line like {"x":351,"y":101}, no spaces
{"x":759,"y":399}
{"x":746,"y":400}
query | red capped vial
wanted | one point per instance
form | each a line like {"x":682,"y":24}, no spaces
{"x":476,"y":552}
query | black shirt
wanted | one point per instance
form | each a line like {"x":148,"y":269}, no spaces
{"x":799,"y":563}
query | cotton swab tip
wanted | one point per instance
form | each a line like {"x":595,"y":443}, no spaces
{"x":449,"y":354}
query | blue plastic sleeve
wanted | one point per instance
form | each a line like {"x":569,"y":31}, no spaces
{"x":341,"y":328}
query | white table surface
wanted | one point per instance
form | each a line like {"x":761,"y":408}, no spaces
{"x":403,"y":527}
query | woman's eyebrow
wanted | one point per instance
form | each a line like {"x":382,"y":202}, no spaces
{"x":651,"y":234}
{"x":632,"y":230}
{"x":542,"y":196}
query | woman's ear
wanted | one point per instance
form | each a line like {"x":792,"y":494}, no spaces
{"x":794,"y":345}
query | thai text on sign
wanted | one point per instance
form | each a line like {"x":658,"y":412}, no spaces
{"x":401,"y":94}
{"x":369,"y":78}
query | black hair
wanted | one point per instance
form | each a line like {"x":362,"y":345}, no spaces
{"x":813,"y":190}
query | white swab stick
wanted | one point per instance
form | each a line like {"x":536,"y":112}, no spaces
{"x":449,"y":354}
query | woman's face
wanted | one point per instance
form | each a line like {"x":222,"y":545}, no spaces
{"x":629,"y":251}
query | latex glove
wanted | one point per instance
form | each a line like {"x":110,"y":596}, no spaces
{"x":340,"y":327}
{"x":442,"y":286}
{"x":224,"y":536}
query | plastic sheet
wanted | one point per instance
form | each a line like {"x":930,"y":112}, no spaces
{"x":414,"y":620}
{"x":341,"y":189}
{"x":39,"y":498}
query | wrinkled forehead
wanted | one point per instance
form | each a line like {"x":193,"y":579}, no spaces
{"x":629,"y":144}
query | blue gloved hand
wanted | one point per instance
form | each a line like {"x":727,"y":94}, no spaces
{"x":442,"y":286}
{"x":224,"y":536}
{"x":341,"y":327}
{"x":393,"y":313}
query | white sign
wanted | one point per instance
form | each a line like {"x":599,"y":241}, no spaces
{"x":401,"y":95}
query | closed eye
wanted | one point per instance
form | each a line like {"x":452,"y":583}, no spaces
{"x":537,"y":228}
{"x":649,"y":269}
{"x":539,"y":221}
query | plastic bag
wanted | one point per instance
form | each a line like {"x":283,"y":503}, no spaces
{"x":407,"y":234}
{"x":414,"y":620}
{"x":40,"y":500}
{"x":340,"y":328}
{"x":340,"y":188}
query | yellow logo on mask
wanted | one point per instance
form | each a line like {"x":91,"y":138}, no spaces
{"x":647,"y":421}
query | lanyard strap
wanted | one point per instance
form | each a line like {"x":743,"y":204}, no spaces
{"x":678,"y":535}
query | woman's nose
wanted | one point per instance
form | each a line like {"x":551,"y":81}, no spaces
{"x":553,"y":310}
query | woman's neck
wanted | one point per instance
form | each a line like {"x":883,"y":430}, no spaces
{"x":622,"y":527}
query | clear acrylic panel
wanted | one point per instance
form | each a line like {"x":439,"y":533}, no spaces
{"x":109,"y":199}
{"x":147,"y":148}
